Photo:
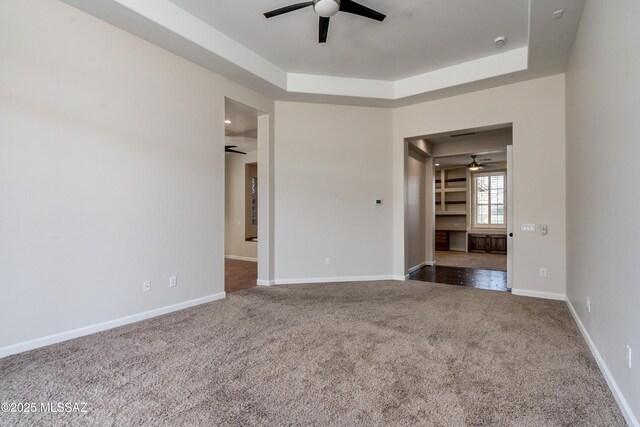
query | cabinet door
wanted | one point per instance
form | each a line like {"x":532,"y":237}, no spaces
{"x":442,"y":240}
{"x":498,"y":243}
{"x":477,"y":243}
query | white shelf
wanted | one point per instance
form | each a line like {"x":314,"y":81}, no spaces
{"x":459,"y":213}
{"x":452,"y":195}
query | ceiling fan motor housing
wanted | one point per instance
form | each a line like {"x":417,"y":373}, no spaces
{"x":326,"y":8}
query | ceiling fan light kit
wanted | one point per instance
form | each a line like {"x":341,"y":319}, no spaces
{"x":325,"y":9}
{"x":474,"y":166}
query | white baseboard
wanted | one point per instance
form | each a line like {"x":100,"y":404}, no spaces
{"x":103,"y":326}
{"x":265,"y":282}
{"x":422,"y":264}
{"x":401,"y":278}
{"x":332,"y":279}
{"x":241,"y":258}
{"x":417,"y":267}
{"x":536,"y":294}
{"x":622,"y":402}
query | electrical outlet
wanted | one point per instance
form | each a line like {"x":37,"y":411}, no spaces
{"x":543,"y":272}
{"x":629,"y":356}
{"x":588,"y":305}
{"x":146,"y":286}
{"x":173,"y":281}
{"x":327,"y":261}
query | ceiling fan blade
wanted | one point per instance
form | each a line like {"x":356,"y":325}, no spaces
{"x":350,"y":6}
{"x":287,"y":9}
{"x":231,"y":150}
{"x":230,"y":146}
{"x":324,"y":29}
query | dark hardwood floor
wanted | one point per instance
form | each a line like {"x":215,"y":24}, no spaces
{"x":471,"y":277}
{"x":239,"y":275}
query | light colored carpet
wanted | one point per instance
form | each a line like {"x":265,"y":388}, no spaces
{"x":485,"y":261}
{"x":374,"y":353}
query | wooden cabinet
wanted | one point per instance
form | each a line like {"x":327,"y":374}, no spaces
{"x":477,"y":243}
{"x":442,"y":240}
{"x":494,"y":243}
{"x":498,"y":243}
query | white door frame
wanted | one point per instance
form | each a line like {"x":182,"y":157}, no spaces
{"x":509,"y":216}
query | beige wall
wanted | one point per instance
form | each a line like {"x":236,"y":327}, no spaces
{"x":332,"y":162}
{"x":111,"y":172}
{"x":235,"y":245}
{"x":536,"y":109}
{"x":603,"y":178}
{"x":416,"y":208}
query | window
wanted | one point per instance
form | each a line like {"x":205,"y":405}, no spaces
{"x":489,"y":199}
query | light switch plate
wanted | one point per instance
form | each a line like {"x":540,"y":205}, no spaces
{"x":529,"y":228}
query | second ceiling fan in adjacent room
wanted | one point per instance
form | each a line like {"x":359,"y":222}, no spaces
{"x":325,"y":9}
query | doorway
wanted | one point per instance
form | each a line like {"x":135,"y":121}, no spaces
{"x":471,"y":199}
{"x":241,"y":196}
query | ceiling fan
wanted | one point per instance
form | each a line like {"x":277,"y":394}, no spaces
{"x":475,"y":166}
{"x":326,"y":9}
{"x":230,"y":149}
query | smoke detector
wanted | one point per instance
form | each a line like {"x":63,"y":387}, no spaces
{"x":500,"y":41}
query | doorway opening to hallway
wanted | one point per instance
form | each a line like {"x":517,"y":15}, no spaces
{"x":241,"y":196}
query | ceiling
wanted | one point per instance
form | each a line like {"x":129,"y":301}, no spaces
{"x":487,"y":143}
{"x":465,"y":159}
{"x":495,"y":132}
{"x":243,"y":129}
{"x":244,"y":119}
{"x":425,"y":49}
{"x":417,"y":36}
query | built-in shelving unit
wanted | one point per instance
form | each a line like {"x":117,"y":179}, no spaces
{"x":451,"y":208}
{"x":451,"y":191}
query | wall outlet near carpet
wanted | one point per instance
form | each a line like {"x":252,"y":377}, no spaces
{"x":327,"y":260}
{"x":543,"y":272}
{"x":588,"y":304}
{"x":173,"y":281}
{"x":146,"y":286}
{"x":629,"y":356}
